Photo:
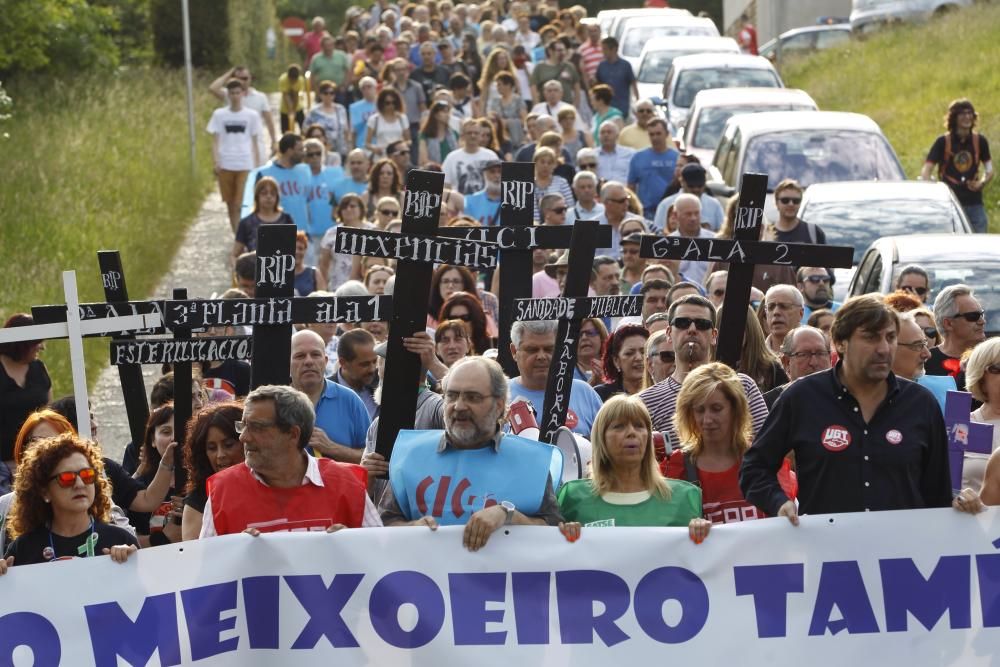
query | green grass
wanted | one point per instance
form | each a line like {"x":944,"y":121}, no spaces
{"x":95,"y":164}
{"x":905,"y":77}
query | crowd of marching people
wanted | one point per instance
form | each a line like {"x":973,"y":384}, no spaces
{"x":833,"y":407}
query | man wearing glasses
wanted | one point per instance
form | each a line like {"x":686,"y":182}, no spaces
{"x":786,"y":229}
{"x":659,"y":356}
{"x":864,"y":440}
{"x":783,"y":307}
{"x":693,"y":334}
{"x":635,"y":136}
{"x":803,"y":352}
{"x":471,"y":473}
{"x":280,"y":487}
{"x":816,"y":285}
{"x":962,"y":323}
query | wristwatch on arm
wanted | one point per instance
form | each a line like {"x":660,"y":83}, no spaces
{"x":508,"y":507}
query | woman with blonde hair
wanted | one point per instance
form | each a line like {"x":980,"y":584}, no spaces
{"x":626,"y":487}
{"x":547,"y":181}
{"x":712,"y":419}
{"x":62,"y":506}
{"x":982,"y":380}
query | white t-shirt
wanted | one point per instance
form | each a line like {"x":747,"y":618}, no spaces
{"x":256,"y":100}
{"x":237,"y":132}
{"x":387,"y":132}
{"x":464,"y":171}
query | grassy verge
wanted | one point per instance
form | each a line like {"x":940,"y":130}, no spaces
{"x":904,"y":79}
{"x":90,"y":165}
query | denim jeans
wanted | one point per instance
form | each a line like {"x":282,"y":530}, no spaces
{"x":976,"y":213}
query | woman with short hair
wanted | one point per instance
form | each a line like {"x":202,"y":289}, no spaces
{"x":266,"y":211}
{"x":452,"y":341}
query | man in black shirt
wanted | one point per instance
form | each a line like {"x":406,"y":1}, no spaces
{"x":788,"y":228}
{"x":864,"y":440}
{"x":962,"y":324}
{"x":958,"y":154}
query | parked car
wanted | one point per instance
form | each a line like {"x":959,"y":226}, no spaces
{"x":638,"y":30}
{"x":712,"y":108}
{"x":857,"y":214}
{"x":658,"y":54}
{"x":689,"y":75}
{"x":870,"y":15}
{"x":815,"y":147}
{"x":617,"y":16}
{"x":800,"y":41}
{"x":972,"y":259}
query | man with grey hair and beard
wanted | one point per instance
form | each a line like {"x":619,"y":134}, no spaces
{"x":472,"y":473}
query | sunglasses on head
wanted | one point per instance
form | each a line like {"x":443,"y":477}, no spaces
{"x":971,"y":316}
{"x":700,"y":323}
{"x":68,"y":478}
{"x":919,"y":291}
{"x":667,"y":356}
{"x":790,"y":200}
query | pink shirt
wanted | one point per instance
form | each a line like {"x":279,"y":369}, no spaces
{"x":591,"y":57}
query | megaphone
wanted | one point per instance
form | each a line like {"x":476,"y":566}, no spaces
{"x":576,"y":449}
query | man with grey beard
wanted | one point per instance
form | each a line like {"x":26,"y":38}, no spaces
{"x":462,"y":475}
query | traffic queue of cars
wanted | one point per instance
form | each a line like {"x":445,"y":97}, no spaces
{"x":732,"y":111}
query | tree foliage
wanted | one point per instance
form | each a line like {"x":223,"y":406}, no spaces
{"x":59,"y":36}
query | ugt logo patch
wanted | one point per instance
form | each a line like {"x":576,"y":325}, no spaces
{"x":836,"y":438}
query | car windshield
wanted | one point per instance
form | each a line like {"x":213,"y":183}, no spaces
{"x":656,"y":63}
{"x":692,"y":82}
{"x":983,"y":278}
{"x":858,"y":223}
{"x":712,"y":120}
{"x":821,"y":156}
{"x":638,"y":35}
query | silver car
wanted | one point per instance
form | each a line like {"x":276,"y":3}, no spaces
{"x":869,"y":15}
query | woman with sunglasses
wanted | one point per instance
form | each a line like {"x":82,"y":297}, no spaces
{"x":332,"y":117}
{"x":437,"y":138}
{"x":337,"y":267}
{"x":212,"y":444}
{"x":386,"y":210}
{"x":384,"y":180}
{"x":712,"y":419}
{"x":452,"y":341}
{"x":624,"y":362}
{"x":62,"y":505}
{"x":467,"y":308}
{"x":387,"y":124}
{"x":589,"y":366}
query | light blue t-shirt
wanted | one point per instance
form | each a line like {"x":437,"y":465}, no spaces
{"x":342,"y":416}
{"x":346,"y":185}
{"x":711,"y":211}
{"x":359,"y":112}
{"x":481,"y":208}
{"x":320,"y":199}
{"x":652,"y":172}
{"x":807,"y":310}
{"x":583,"y":402}
{"x":293,"y":186}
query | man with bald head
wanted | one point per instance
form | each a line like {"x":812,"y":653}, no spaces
{"x":615,"y":198}
{"x":783,"y":305}
{"x":804,"y":351}
{"x":612,"y":159}
{"x":341,"y":417}
{"x":687,"y":209}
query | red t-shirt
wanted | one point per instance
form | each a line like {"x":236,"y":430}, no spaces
{"x":721,"y":498}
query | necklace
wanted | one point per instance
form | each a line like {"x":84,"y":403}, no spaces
{"x":85,"y":550}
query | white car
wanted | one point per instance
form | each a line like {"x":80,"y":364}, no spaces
{"x":616,"y":17}
{"x":712,"y":108}
{"x":869,"y":15}
{"x":689,"y":75}
{"x":638,"y":30}
{"x":857,"y":214}
{"x":814,"y":147}
{"x":658,"y":54}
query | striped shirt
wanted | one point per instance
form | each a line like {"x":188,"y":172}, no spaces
{"x":661,"y":401}
{"x":591,"y":57}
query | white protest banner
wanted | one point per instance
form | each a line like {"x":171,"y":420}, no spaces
{"x":892,"y":588}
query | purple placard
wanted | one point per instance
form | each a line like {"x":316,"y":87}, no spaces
{"x":963,"y":434}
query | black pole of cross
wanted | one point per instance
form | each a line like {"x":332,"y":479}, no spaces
{"x":130,"y":375}
{"x":416,"y":248}
{"x":517,"y":239}
{"x":742,"y":253}
{"x":274,"y":275}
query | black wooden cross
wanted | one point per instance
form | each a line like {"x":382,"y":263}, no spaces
{"x":742,"y":253}
{"x":517,"y":238}
{"x":570,"y":310}
{"x":416,"y":249}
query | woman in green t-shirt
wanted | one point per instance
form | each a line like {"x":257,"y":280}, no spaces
{"x":626,"y":487}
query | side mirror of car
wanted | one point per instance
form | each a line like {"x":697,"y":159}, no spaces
{"x":720,"y":189}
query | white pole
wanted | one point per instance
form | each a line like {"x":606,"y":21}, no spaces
{"x":76,"y":354}
{"x":190,"y":87}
